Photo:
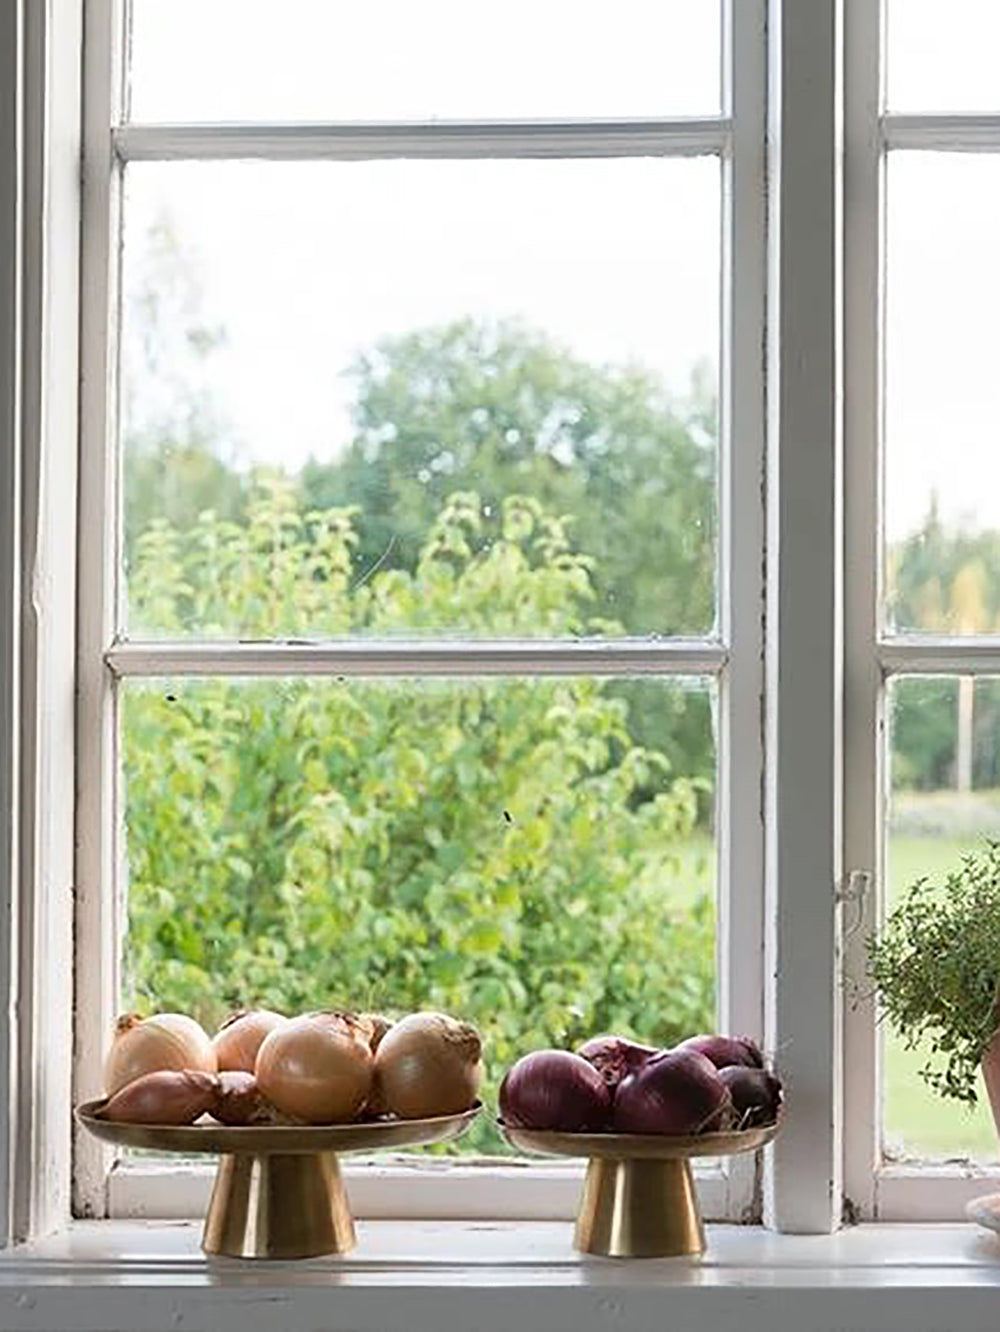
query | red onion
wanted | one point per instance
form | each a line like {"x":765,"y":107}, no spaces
{"x":756,"y":1094}
{"x":724,"y":1051}
{"x":614,"y":1056}
{"x":554,"y":1089}
{"x":678,"y":1091}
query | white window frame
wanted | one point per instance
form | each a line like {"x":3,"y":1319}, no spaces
{"x":877,"y":1189}
{"x":733,"y":658}
{"x":788,"y":695}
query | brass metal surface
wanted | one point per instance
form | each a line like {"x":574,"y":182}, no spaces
{"x":260,"y":1139}
{"x":278,"y":1206}
{"x":638,"y":1146}
{"x":639,"y":1209}
{"x":278,"y":1192}
{"x":639,"y":1199}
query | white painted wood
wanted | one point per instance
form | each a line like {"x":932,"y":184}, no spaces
{"x":680,"y":137}
{"x":417,"y":657}
{"x":97,"y":813}
{"x":740,"y":811}
{"x":453,"y":1190}
{"x":863,"y":698}
{"x":942,"y":133}
{"x":10,"y":585}
{"x":914,"y":654}
{"x":803,"y":653}
{"x":447,"y":1277}
{"x":49,"y":449}
{"x":931,"y":1193}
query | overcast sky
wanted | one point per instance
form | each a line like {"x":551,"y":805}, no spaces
{"x":307,"y":263}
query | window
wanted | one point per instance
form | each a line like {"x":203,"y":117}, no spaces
{"x":248,"y":234}
{"x":421,"y":530}
{"x":923,"y":128}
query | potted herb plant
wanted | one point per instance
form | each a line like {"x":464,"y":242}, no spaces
{"x":936,"y":965}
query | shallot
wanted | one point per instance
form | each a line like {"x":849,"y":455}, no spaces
{"x":164,"y":1097}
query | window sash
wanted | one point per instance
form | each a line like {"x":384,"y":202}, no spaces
{"x":878,"y":1190}
{"x":734,"y":657}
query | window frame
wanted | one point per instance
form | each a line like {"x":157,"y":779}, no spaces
{"x":875,"y":1189}
{"x":791,"y":967}
{"x":733,"y":658}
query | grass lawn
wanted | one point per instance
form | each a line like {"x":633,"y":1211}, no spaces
{"x":917,"y":1122}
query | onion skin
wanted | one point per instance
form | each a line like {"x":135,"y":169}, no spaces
{"x":377,"y":1024}
{"x":165,"y":1042}
{"x":165,"y":1097}
{"x":240,"y":1037}
{"x":725,"y":1051}
{"x":241,"y":1101}
{"x":756,"y":1094}
{"x":554,"y":1089}
{"x":427,"y":1064}
{"x":675,"y":1092}
{"x":615,"y":1057}
{"x":316,"y":1069}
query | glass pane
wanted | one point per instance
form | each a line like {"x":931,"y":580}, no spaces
{"x":942,"y":57}
{"x":410,"y":60}
{"x":497,"y":417}
{"x":945,"y":800}
{"x":536,"y":856}
{"x":943,"y":394}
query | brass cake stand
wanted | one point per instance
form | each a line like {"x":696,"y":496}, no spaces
{"x":639,"y":1199}
{"x":278,"y":1191}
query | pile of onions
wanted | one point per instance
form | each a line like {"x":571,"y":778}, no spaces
{"x":708,"y":1083}
{"x":554,"y":1089}
{"x":166,"y":1042}
{"x":316,"y":1069}
{"x":427,"y":1064}
{"x":241,"y":1036}
{"x":677,"y":1091}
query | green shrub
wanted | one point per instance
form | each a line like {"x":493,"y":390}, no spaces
{"x":481,"y":847}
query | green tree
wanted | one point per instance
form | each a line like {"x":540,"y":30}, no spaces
{"x":500,"y":409}
{"x":480,"y":847}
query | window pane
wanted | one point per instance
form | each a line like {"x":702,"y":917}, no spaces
{"x":538,"y":339}
{"x":945,"y":799}
{"x":400,"y":59}
{"x":942,"y":57}
{"x":536,"y":856}
{"x":943,"y":394}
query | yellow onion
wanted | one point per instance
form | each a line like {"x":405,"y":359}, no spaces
{"x":377,"y":1025}
{"x":166,"y":1097}
{"x":317,"y":1068}
{"x":241,"y":1036}
{"x":428,"y":1064}
{"x":161,"y":1043}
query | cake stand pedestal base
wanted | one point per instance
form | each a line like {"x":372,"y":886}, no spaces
{"x":278,"y":1206}
{"x":639,"y":1209}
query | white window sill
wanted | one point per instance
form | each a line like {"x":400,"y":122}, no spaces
{"x":504,"y":1276}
